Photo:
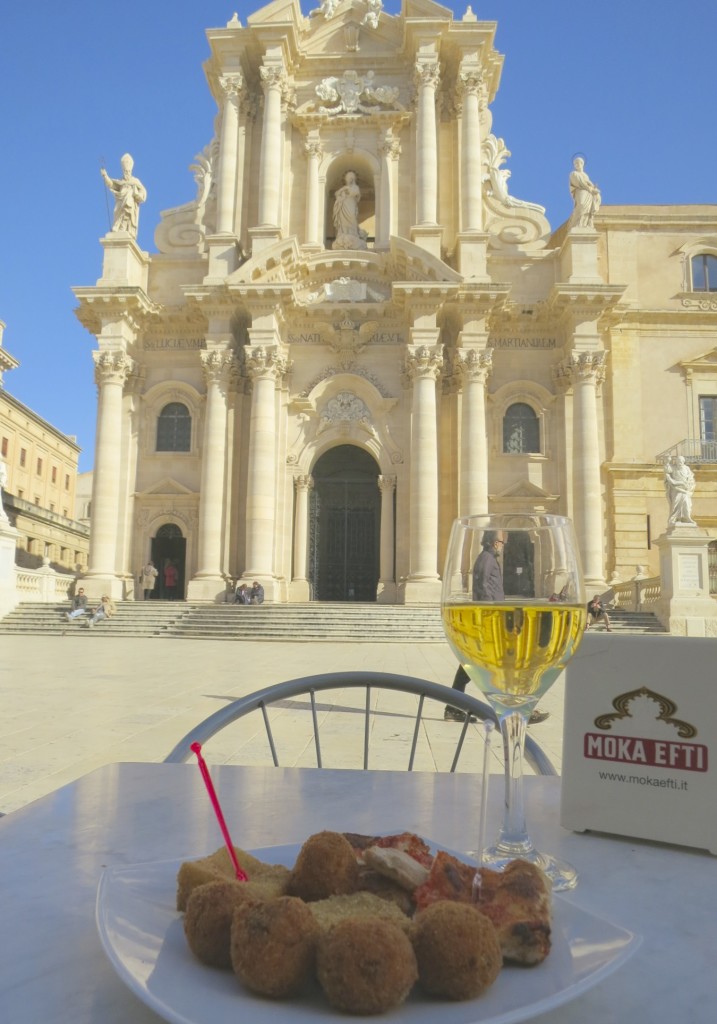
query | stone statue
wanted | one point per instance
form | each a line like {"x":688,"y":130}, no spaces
{"x":680,"y":486}
{"x":3,"y":484}
{"x":373,"y":13}
{"x":586,"y":197}
{"x":346,"y":206}
{"x":129,"y":194}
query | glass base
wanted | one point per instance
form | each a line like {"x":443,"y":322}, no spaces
{"x":562,"y":875}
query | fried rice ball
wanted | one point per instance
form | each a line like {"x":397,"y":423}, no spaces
{"x":457,"y":950}
{"x":326,"y":866}
{"x":208,"y":918}
{"x":365,"y":965}
{"x":273,"y":946}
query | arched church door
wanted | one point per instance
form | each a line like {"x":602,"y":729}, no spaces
{"x":344,"y":526}
{"x":169,"y":547}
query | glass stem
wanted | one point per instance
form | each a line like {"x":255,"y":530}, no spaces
{"x":513,"y":838}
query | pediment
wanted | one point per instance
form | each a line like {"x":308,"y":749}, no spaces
{"x":166,"y":486}
{"x":706,"y":363}
{"x":526,"y":490}
{"x":278,"y":12}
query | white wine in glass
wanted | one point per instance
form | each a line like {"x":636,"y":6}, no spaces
{"x":513,"y":607}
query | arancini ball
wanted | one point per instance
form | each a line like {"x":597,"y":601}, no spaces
{"x":457,"y":950}
{"x":273,"y":946}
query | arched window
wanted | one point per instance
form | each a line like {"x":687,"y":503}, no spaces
{"x":174,"y":428}
{"x":704,"y":273}
{"x":521,"y":430}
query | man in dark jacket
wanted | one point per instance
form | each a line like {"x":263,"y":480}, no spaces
{"x":487,"y":586}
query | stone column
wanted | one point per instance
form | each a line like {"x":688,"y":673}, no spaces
{"x":265,"y":366}
{"x":427,"y":79}
{"x":300,"y":583}
{"x":470,"y":80}
{"x":474,"y":367}
{"x":586,"y":370}
{"x":232,"y":87}
{"x":387,"y":583}
{"x":314,"y":222}
{"x":208,"y":582}
{"x":390,"y":149}
{"x":111,"y":372}
{"x":273,"y":82}
{"x":423,"y":367}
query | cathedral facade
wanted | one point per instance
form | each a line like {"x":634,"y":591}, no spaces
{"x":355,"y":333}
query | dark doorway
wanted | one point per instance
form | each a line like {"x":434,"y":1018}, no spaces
{"x":518,"y":559}
{"x":344,"y":528}
{"x":169,"y":546}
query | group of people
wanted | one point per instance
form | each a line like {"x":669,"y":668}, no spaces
{"x":253,"y":594}
{"x":104,"y":610}
{"x":170,"y":578}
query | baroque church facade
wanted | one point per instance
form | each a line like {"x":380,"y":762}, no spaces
{"x":355,"y":333}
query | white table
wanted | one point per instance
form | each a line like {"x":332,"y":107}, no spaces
{"x":52,"y":852}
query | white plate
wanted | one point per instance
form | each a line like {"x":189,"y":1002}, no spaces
{"x":143,"y":936}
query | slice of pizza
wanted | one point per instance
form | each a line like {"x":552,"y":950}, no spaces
{"x":407,"y":842}
{"x":448,"y":879}
{"x":518,"y":902}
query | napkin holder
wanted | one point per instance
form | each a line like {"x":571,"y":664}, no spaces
{"x":640,"y":739}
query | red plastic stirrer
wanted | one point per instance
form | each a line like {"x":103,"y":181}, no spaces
{"x":196,"y":748}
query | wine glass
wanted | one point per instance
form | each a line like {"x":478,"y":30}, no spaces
{"x":513,"y":608}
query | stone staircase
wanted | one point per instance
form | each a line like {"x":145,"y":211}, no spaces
{"x":311,"y":622}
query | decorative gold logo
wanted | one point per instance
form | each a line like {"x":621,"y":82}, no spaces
{"x":667,"y":709}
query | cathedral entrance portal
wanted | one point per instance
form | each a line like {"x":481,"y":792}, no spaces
{"x":169,"y":547}
{"x":344,"y":526}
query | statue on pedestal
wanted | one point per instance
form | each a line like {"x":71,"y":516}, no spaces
{"x":679,"y":486}
{"x":586,"y":197}
{"x":129,"y":193}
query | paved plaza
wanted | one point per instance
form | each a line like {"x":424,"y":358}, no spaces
{"x":73,"y":703}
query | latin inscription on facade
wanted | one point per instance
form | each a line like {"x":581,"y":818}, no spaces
{"x":311,"y":338}
{"x":160,"y":344}
{"x":386,"y":338}
{"x":689,"y":572}
{"x":522,"y":343}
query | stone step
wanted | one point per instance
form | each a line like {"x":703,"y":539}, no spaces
{"x":313,"y":622}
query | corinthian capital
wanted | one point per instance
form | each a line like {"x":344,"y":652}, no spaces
{"x":387,"y":484}
{"x":264,"y":362}
{"x":424,"y":362}
{"x":272,"y":77}
{"x":470,"y":80}
{"x":427,"y":74}
{"x":217,"y":367}
{"x":232,"y":85}
{"x":112,"y":367}
{"x":474,"y":365}
{"x":313,"y":148}
{"x":581,"y":367}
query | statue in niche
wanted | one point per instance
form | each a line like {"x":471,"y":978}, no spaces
{"x":129,"y":193}
{"x":346,"y":207}
{"x":586,"y":197}
{"x":679,"y":486}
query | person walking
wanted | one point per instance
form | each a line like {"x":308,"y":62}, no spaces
{"x":170,"y":579}
{"x":148,"y":580}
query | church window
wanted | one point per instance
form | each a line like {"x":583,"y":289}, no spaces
{"x":521,"y":430}
{"x":174,"y":428}
{"x":704,"y":273}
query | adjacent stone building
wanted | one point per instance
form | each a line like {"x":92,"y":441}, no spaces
{"x":39,"y":495}
{"x":355,"y":332}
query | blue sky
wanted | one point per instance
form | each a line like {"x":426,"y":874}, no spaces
{"x":629,"y":83}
